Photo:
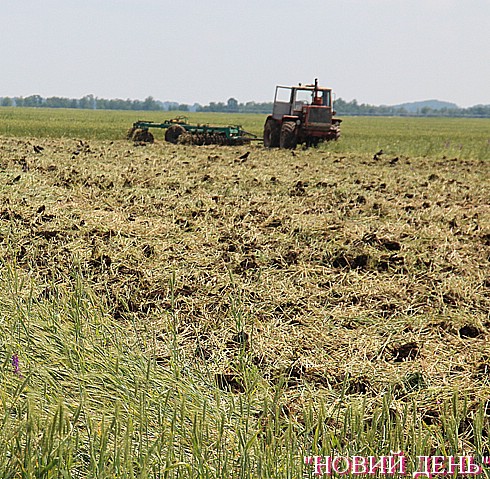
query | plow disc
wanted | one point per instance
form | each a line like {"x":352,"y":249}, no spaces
{"x":140,"y":135}
{"x":201,"y":139}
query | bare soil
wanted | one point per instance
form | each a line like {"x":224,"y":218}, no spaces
{"x":340,"y":273}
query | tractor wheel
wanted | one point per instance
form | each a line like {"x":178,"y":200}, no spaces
{"x":335,"y":129}
{"x":272,"y":132}
{"x":143,"y":135}
{"x":172,"y":134}
{"x":334,"y":133}
{"x":289,"y":135}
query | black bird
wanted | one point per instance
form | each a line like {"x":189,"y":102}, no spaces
{"x":394,"y":160}
{"x":38,"y":149}
{"x":377,"y":155}
{"x":244,"y":156}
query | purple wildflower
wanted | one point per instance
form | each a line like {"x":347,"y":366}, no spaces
{"x":15,"y":365}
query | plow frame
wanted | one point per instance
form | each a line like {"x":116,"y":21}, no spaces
{"x":230,"y":134}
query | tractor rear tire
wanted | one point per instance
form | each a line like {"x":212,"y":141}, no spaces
{"x":289,"y":135}
{"x":272,"y":133}
{"x":173,"y":133}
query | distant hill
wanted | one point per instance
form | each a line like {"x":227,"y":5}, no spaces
{"x":415,"y":106}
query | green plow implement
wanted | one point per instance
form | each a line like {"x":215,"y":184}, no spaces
{"x":178,"y":130}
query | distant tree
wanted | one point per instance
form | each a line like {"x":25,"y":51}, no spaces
{"x":6,"y":101}
{"x":57,"y":102}
{"x":136,"y":105}
{"x":252,"y":107}
{"x":150,"y":104}
{"x":216,"y":107}
{"x":87,"y":102}
{"x":102,"y":104}
{"x":34,"y":101}
{"x":479,"y":110}
{"x":232,"y":105}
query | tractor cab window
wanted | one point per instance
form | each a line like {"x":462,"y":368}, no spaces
{"x":321,"y":98}
{"x":282,"y":102}
{"x":283,"y":94}
{"x":310,"y":97}
{"x":326,"y":97}
{"x":303,"y":97}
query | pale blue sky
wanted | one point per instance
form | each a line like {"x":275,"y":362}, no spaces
{"x":377,"y":51}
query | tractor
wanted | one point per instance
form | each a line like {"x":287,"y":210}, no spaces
{"x":301,"y":114}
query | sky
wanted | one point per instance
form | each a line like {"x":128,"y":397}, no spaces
{"x":381,"y":52}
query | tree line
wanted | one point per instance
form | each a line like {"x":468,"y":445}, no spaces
{"x":353,"y":108}
{"x":342,"y":107}
{"x":88,"y":102}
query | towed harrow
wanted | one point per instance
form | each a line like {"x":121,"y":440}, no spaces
{"x":178,"y":130}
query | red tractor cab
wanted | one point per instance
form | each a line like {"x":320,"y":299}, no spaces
{"x":301,"y":114}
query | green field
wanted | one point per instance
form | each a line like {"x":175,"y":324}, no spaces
{"x":463,"y":138}
{"x":182,"y":312}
